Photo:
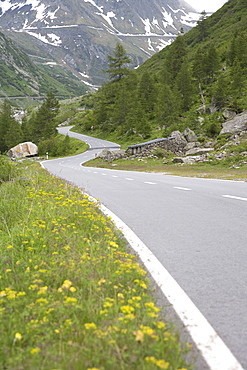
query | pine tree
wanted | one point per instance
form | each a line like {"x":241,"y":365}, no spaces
{"x":202,"y":25}
{"x":185,"y":87}
{"x":13,"y":135}
{"x":147,"y":94}
{"x":42,"y":122}
{"x":117,"y":64}
{"x":198,"y":69}
{"x":221,"y":92}
{"x":10,"y":129}
{"x":237,"y":79}
{"x":168,"y":106}
{"x":176,"y":56}
{"x":211,"y":62}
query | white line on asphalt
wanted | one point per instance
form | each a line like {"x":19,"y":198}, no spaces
{"x":213,"y":349}
{"x":103,"y":174}
{"x":233,"y":197}
{"x":179,"y":188}
{"x":95,"y":172}
{"x":150,"y":183}
{"x":128,"y":178}
{"x":114,"y":176}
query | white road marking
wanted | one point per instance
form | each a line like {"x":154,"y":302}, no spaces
{"x":114,"y":176}
{"x":213,"y":349}
{"x":103,"y":174}
{"x":179,"y":188}
{"x":128,"y":178}
{"x":95,"y":172}
{"x":233,"y":197}
{"x":150,"y":183}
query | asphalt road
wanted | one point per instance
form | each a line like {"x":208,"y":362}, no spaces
{"x":197,"y":228}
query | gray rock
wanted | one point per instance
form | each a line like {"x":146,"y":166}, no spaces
{"x":235,"y":125}
{"x":192,"y":145}
{"x":199,"y":151}
{"x":23,"y":150}
{"x":189,"y":135}
{"x":178,"y":160}
{"x":228,"y":114}
{"x":178,"y":139}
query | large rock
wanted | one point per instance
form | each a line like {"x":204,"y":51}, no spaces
{"x":199,"y":151}
{"x":189,"y":135}
{"x":235,"y":125}
{"x":178,"y":141}
{"x":26,"y":149}
{"x":228,"y":114}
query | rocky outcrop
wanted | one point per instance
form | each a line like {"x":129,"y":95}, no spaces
{"x":26,"y":149}
{"x":199,"y":151}
{"x":190,"y":159}
{"x":189,"y":135}
{"x":235,"y":125}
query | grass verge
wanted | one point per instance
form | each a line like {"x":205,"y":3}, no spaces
{"x":215,"y":170}
{"x":72,"y":296}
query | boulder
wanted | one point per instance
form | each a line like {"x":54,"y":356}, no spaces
{"x":190,"y":160}
{"x":26,"y":149}
{"x":235,"y":125}
{"x":189,"y":135}
{"x":178,"y":140}
{"x":108,"y":155}
{"x":192,"y":145}
{"x":228,"y":114}
{"x":199,"y":151}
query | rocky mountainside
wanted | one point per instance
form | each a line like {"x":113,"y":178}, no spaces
{"x":22,"y":81}
{"x":77,"y":35}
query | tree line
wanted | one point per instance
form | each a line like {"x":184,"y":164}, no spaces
{"x":39,"y":128}
{"x":130,"y":103}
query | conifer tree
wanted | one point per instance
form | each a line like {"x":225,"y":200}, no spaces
{"x":117,"y":63}
{"x":202,"y":25}
{"x":10,"y":129}
{"x":176,"y":56}
{"x":237,"y":77}
{"x":211,"y":62}
{"x":42,"y":122}
{"x":221,"y":92}
{"x":168,"y":106}
{"x":184,"y":86}
{"x":147,"y":93}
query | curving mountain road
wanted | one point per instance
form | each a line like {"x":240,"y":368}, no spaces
{"x":195,"y":227}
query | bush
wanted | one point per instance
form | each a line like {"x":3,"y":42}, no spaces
{"x":8,"y":170}
{"x":159,"y":152}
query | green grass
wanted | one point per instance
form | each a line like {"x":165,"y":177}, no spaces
{"x":231,"y":168}
{"x":72,"y":295}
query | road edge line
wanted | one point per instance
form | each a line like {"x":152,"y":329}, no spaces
{"x":214,"y":351}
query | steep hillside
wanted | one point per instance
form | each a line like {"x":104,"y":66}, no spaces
{"x":198,"y":81}
{"x":23,"y":81}
{"x":78,"y":35}
{"x":218,"y":29}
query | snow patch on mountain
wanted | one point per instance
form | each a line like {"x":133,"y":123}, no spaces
{"x":50,"y":38}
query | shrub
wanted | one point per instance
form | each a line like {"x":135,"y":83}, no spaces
{"x":8,"y":170}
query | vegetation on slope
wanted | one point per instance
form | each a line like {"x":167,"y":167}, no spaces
{"x":72,"y":296}
{"x":188,"y":84}
{"x":22,"y":80}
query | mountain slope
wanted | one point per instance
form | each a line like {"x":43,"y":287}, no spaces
{"x":220,"y":28}
{"x":24,"y":81}
{"x":78,"y":35}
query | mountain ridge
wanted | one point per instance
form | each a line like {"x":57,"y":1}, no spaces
{"x":78,"y":35}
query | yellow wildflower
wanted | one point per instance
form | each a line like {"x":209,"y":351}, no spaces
{"x":35,"y":350}
{"x":139,"y":336}
{"x":18,"y":337}
{"x":90,"y":325}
